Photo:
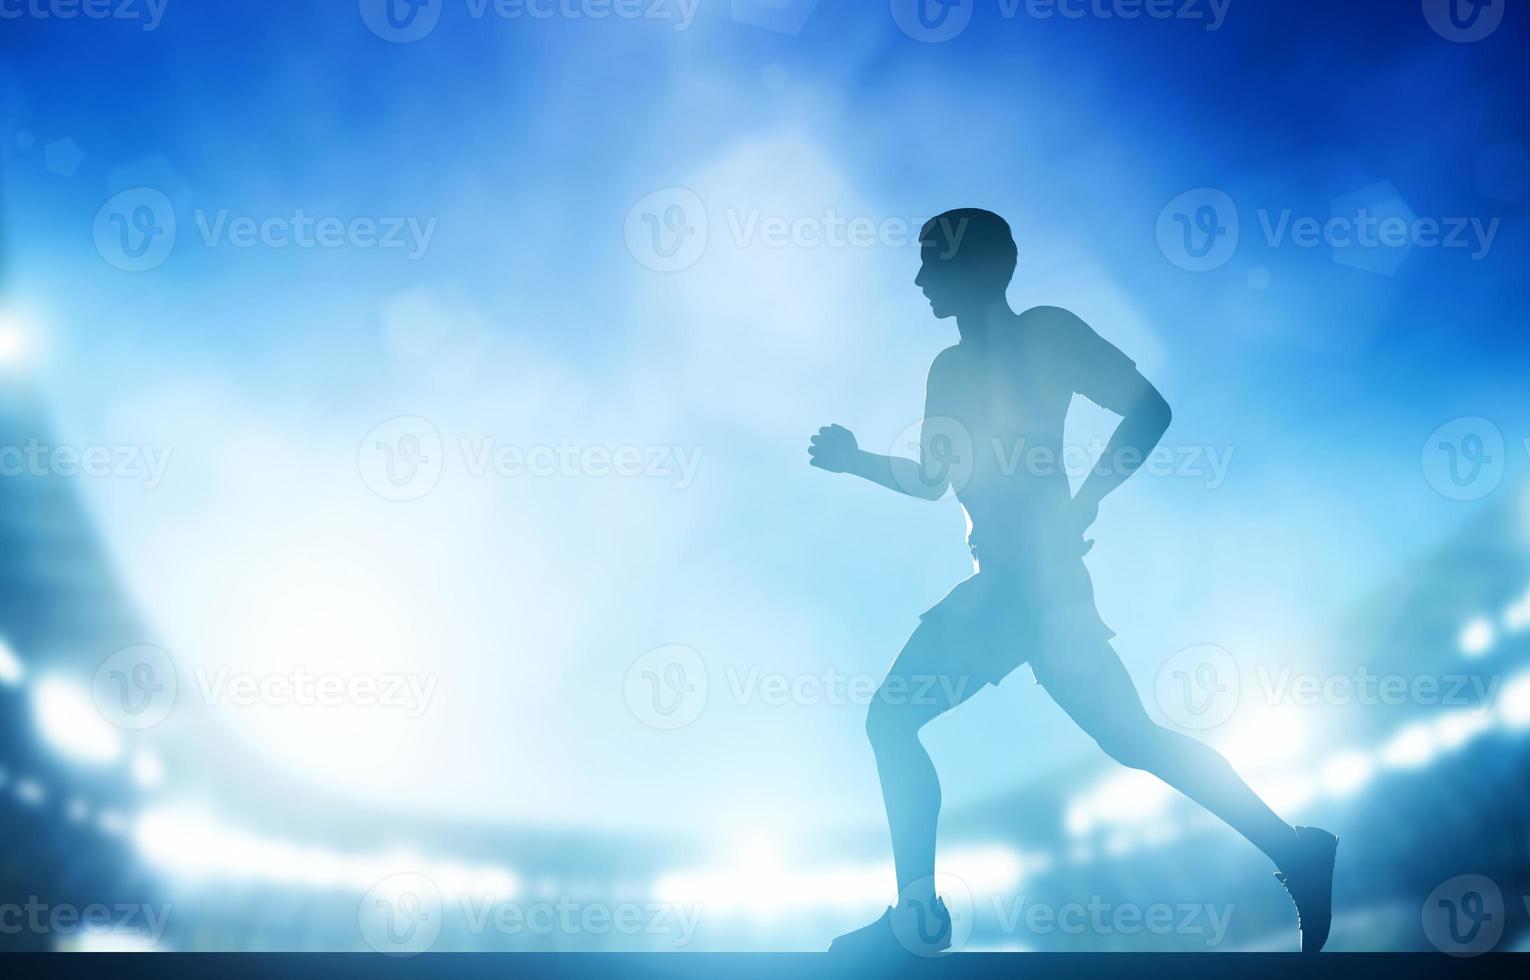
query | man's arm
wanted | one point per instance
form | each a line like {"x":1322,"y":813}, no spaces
{"x":834,"y":449}
{"x":1111,"y":380}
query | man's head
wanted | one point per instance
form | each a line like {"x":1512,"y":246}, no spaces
{"x":967,"y":259}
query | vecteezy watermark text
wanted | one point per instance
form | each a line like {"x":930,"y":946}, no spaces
{"x":1363,"y":229}
{"x":669,"y":687}
{"x":146,"y":464}
{"x":1373,"y":229}
{"x":39,"y":917}
{"x":138,"y":687}
{"x":1201,"y":687}
{"x":404,"y":458}
{"x":567,"y":916}
{"x":308,"y":689}
{"x":406,"y":21}
{"x":668,"y":230}
{"x":1287,"y":685}
{"x":403,"y":915}
{"x":148,"y":13}
{"x":303,"y":230}
{"x":1099,"y":917}
{"x":935,"y":21}
{"x":947,"y":453}
{"x":137,"y":230}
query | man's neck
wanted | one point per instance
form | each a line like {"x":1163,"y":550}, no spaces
{"x":978,"y":325}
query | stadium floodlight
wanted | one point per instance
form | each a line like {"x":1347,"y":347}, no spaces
{"x":488,"y":881}
{"x":12,"y":671}
{"x":1459,"y":727}
{"x":30,"y":792}
{"x":1410,"y":748}
{"x":740,"y":886}
{"x":993,"y":869}
{"x":10,"y":343}
{"x":1346,"y":773}
{"x":1263,"y":737}
{"x":15,"y":347}
{"x":1517,"y":616}
{"x":1126,"y":799}
{"x":1119,"y":844}
{"x":113,"y":823}
{"x":1079,"y":818}
{"x":1514,"y":703}
{"x":111,"y":940}
{"x":188,"y":841}
{"x":493,"y":882}
{"x":70,"y":723}
{"x":1287,"y":792}
{"x":1477,"y":637}
{"x":148,"y":769}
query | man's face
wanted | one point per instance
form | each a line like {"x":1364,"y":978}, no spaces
{"x":941,"y":280}
{"x":959,"y":272}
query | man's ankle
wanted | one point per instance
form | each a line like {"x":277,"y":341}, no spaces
{"x":1289,"y":854}
{"x":925,"y":900}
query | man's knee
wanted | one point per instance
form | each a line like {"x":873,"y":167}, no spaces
{"x":889,"y":722}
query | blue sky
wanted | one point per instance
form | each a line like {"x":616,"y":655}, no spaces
{"x":526,"y":320}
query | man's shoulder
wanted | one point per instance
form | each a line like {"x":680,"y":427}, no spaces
{"x":1050,"y":317}
{"x":1059,"y":331}
{"x":948,"y":361}
{"x":1066,"y":337}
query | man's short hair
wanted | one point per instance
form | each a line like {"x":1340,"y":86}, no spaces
{"x":972,"y":237}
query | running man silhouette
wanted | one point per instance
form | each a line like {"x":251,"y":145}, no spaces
{"x":992,"y":399}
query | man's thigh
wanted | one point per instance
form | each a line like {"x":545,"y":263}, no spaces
{"x":937,"y":669}
{"x":1091,"y":684}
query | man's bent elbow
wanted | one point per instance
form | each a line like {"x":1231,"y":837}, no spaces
{"x":932,"y":492}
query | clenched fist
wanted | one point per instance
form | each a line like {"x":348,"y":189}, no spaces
{"x":833,"y":449}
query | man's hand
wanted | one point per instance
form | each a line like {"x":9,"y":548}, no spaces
{"x":1086,"y":509}
{"x":834,"y":449}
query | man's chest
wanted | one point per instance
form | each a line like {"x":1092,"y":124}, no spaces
{"x":1022,"y":398}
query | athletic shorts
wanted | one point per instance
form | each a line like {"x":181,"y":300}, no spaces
{"x":997,"y":620}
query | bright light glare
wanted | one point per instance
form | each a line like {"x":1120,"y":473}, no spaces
{"x":1347,"y":773}
{"x":107,"y":941}
{"x":1459,"y":727}
{"x":1287,"y":793}
{"x":189,"y":842}
{"x":1477,"y":637}
{"x":1126,"y":798}
{"x":741,"y":886}
{"x":148,"y":769}
{"x":17,"y":336}
{"x":30,"y":792}
{"x":1517,"y":616}
{"x":11,"y":669}
{"x":10,"y":342}
{"x":1514,"y":702}
{"x":70,"y":723}
{"x":1410,"y":748}
{"x":1264,"y":737}
{"x":993,"y":870}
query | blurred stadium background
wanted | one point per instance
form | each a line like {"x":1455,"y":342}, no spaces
{"x":98,"y":815}
{"x":191,"y":839}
